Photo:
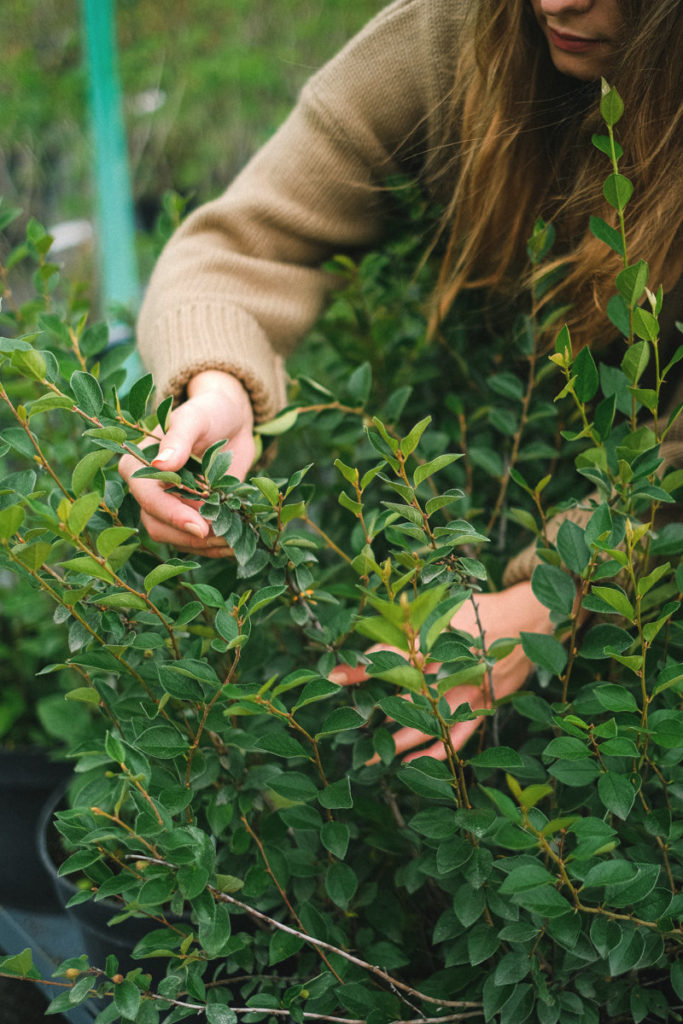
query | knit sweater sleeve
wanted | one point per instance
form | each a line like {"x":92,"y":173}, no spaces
{"x":241,"y":280}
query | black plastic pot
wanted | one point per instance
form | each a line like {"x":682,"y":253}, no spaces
{"x":99,"y":939}
{"x":27,"y":778}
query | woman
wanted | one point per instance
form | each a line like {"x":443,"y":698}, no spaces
{"x":489,"y":104}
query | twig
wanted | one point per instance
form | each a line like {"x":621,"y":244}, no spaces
{"x":283,"y":894}
{"x":462,"y":1004}
{"x":489,"y":671}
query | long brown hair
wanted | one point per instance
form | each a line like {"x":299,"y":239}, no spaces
{"x":524,"y":151}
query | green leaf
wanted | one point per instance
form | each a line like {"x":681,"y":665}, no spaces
{"x":122,"y":599}
{"x":508,"y":385}
{"x":645,"y":325}
{"x":114,"y":748}
{"x":268,"y":489}
{"x":616,"y":793}
{"x":620,"y":746}
{"x":81,"y":512}
{"x":482,"y":943}
{"x":164,"y":412}
{"x":139,"y":395}
{"x":611,"y":105}
{"x":635,"y":361}
{"x":631,"y":283}
{"x":524,"y":518}
{"x":666,"y":728}
{"x":340,"y":883}
{"x":645,"y":583}
{"x":439,"y":620}
{"x":87,"y":392}
{"x":677,"y":977}
{"x":511,"y":968}
{"x":11,"y":519}
{"x":294,"y":786}
{"x":617,"y":600}
{"x":84,"y":694}
{"x":340,"y":720}
{"x":617,"y":190}
{"x":393,"y":668}
{"x":279,"y":425}
{"x":381,"y":631}
{"x":570,"y":748}
{"x":89,"y":567}
{"x":411,"y":440}
{"x":607,"y":234}
{"x":334,"y":835}
{"x":429,"y":468}
{"x":615,"y":698}
{"x":33,"y":555}
{"x":603,"y":640}
{"x":609,"y":872}
{"x":350,"y":504}
{"x":85,"y":470}
{"x":359,"y":384}
{"x":638,"y":888}
{"x":47,"y":402}
{"x":162,"y":741}
{"x":563,"y":343}
{"x":264,"y":597}
{"x":162,"y":573}
{"x":545,"y":651}
{"x":618,"y":313}
{"x":282,"y":945}
{"x":19,"y":964}
{"x":30,"y":363}
{"x":350,"y":474}
{"x":497,"y":757}
{"x":553,"y":588}
{"x":525,"y":877}
{"x":435,"y":822}
{"x":571,"y":544}
{"x":166,"y":476}
{"x":587,"y":379}
{"x":604,"y":416}
{"x":336,"y":796}
{"x":111,"y":538}
{"x":216,"y":1013}
{"x":408,"y":714}
{"x":127,"y":999}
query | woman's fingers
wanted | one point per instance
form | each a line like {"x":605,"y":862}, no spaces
{"x":218,"y":408}
{"x":164,"y":512}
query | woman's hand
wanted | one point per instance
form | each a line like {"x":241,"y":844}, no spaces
{"x":497,"y":615}
{"x":217,"y":407}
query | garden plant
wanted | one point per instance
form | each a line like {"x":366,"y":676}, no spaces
{"x":291,"y":866}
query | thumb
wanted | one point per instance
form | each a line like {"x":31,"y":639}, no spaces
{"x":176,"y":445}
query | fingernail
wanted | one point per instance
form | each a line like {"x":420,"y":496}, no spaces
{"x":195,"y":529}
{"x":339,"y":676}
{"x":163,"y":456}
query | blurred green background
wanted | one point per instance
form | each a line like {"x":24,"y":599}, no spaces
{"x":204,"y":83}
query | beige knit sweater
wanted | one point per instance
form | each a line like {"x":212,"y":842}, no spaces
{"x":240,"y":282}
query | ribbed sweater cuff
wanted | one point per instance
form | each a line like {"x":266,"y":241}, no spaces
{"x":211,"y":336}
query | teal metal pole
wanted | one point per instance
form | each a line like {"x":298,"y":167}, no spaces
{"x":114,"y":204}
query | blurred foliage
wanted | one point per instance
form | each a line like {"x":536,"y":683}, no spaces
{"x":205,"y":83}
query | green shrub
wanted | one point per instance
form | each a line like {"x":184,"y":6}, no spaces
{"x":527,"y":877}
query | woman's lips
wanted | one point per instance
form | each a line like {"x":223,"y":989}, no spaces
{"x":572,"y":44}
